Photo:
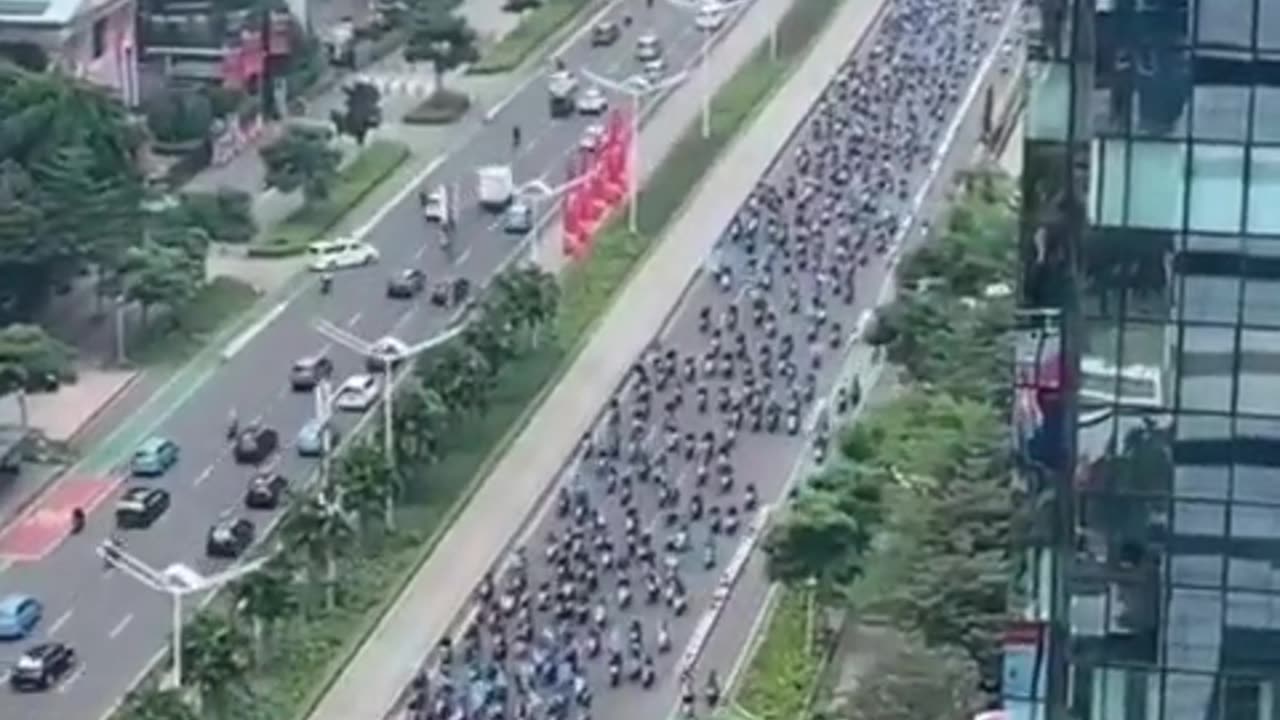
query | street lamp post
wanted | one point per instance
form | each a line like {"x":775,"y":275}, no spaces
{"x":537,"y":191}
{"x":637,"y":87}
{"x":704,"y":64}
{"x":177,"y":581}
{"x":389,"y":361}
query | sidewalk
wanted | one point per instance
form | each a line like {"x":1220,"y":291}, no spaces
{"x":508,"y":497}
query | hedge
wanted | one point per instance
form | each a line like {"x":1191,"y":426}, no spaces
{"x":375,"y":163}
{"x":535,"y":29}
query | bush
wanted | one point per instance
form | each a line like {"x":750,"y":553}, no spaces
{"x":441,"y":108}
{"x":780,"y":679}
{"x":533,"y":31}
{"x":179,"y":116}
{"x":375,"y":163}
{"x":226,"y":215}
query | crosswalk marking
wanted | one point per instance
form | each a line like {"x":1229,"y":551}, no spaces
{"x":399,"y":84}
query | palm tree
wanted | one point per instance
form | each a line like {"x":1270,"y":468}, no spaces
{"x":461,"y":376}
{"x":214,"y":661}
{"x":321,"y":528}
{"x":368,"y":483}
{"x":420,"y":414}
{"x":265,"y":597}
{"x":155,"y":704}
{"x":530,"y":297}
{"x":491,"y":334}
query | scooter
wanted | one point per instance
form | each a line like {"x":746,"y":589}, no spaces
{"x":77,"y":521}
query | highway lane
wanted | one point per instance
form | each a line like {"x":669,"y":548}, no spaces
{"x":766,"y":460}
{"x":119,"y":626}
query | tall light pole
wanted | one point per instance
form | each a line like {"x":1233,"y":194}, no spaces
{"x":177,"y":581}
{"x":637,"y":87}
{"x":724,"y":7}
{"x":537,"y":191}
{"x":389,"y":360}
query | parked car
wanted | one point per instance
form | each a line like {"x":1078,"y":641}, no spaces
{"x":518,"y":219}
{"x":19,"y":614}
{"x":256,"y":444}
{"x":265,"y":491}
{"x":605,"y":33}
{"x":154,"y":457}
{"x":229,"y":538}
{"x":310,"y":440}
{"x":41,"y":666}
{"x":307,"y":372}
{"x":358,"y":393}
{"x":385,"y":350}
{"x":406,"y":284}
{"x":140,"y":506}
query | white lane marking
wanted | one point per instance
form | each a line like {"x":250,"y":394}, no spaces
{"x":120,"y":626}
{"x":463,"y":257}
{"x":239,"y":342}
{"x":422,"y":250}
{"x":62,"y":620}
{"x":204,"y":475}
{"x":71,"y":680}
{"x":351,"y":321}
{"x":5,"y":564}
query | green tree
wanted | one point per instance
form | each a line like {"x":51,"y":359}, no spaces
{"x":156,"y":704}
{"x":915,"y":682}
{"x":177,"y":116}
{"x":528,"y":297}
{"x":160,"y":275}
{"x":87,"y":217}
{"x":362,"y":111}
{"x":460,"y":375}
{"x":420,"y":418}
{"x":817,"y":540}
{"x":439,"y":36}
{"x":214,"y":662}
{"x":265,"y":597}
{"x":321,"y":528}
{"x":31,"y":360}
{"x":302,"y":159}
{"x":367,"y":484}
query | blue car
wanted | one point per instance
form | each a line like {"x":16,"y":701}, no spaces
{"x":311,"y":438}
{"x":154,"y":457}
{"x":18,"y":615}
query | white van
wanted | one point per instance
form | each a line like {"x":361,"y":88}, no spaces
{"x":338,"y":254}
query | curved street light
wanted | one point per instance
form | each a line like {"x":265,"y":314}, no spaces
{"x":704,"y":56}
{"x":637,"y":87}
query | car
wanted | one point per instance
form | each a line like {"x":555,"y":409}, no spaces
{"x":41,"y":666}
{"x":140,"y":506}
{"x":328,"y":255}
{"x":229,"y":538}
{"x":407,"y":284}
{"x":592,"y":101}
{"x":648,"y":47}
{"x":592,"y":137}
{"x":358,"y":393}
{"x":518,"y":219}
{"x":310,"y":440}
{"x":265,"y":491}
{"x":154,"y":457}
{"x":436,"y":208}
{"x":710,"y":17}
{"x":255,"y":444}
{"x":307,"y":372}
{"x":386,"y":350}
{"x":654,"y":69}
{"x":605,"y":33}
{"x":451,"y":292}
{"x":19,"y":614}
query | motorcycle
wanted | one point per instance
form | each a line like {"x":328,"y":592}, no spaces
{"x":77,"y":521}
{"x":326,"y":283}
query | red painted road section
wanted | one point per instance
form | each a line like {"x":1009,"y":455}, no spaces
{"x":40,"y":530}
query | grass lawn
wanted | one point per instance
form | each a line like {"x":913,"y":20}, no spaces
{"x":535,"y":28}
{"x":179,"y":335}
{"x":779,"y":681}
{"x":374,"y":164}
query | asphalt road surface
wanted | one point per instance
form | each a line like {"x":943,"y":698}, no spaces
{"x":119,"y":627}
{"x":540,"y":639}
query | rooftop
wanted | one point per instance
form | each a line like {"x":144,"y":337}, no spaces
{"x":39,"y":12}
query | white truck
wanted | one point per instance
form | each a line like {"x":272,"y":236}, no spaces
{"x":496,"y":186}
{"x":562,"y":88}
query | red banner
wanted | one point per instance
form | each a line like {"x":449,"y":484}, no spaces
{"x":602,"y":179}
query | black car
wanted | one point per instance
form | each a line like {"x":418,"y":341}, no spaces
{"x":605,"y":34}
{"x":256,"y":444}
{"x":307,"y":372}
{"x":408,"y":284}
{"x":265,"y":491}
{"x":42,"y":666}
{"x":450,"y":292}
{"x":229,"y":538}
{"x":141,"y":506}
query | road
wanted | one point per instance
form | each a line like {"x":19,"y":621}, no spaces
{"x":119,"y":627}
{"x":632,"y":433}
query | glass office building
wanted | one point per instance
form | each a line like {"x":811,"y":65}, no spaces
{"x":1147,"y":418}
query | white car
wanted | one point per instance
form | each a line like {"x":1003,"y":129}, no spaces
{"x":436,"y":208}
{"x":592,"y":101}
{"x":710,"y":17}
{"x":358,"y":393}
{"x":654,"y":69}
{"x":325,"y":255}
{"x":648,"y":47}
{"x":591,"y":138}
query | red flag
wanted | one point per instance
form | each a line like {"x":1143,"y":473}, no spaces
{"x":569,"y":225}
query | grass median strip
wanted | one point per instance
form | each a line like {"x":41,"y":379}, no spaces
{"x":778,"y":683}
{"x":315,"y":646}
{"x":534,"y":30}
{"x":375,"y":163}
